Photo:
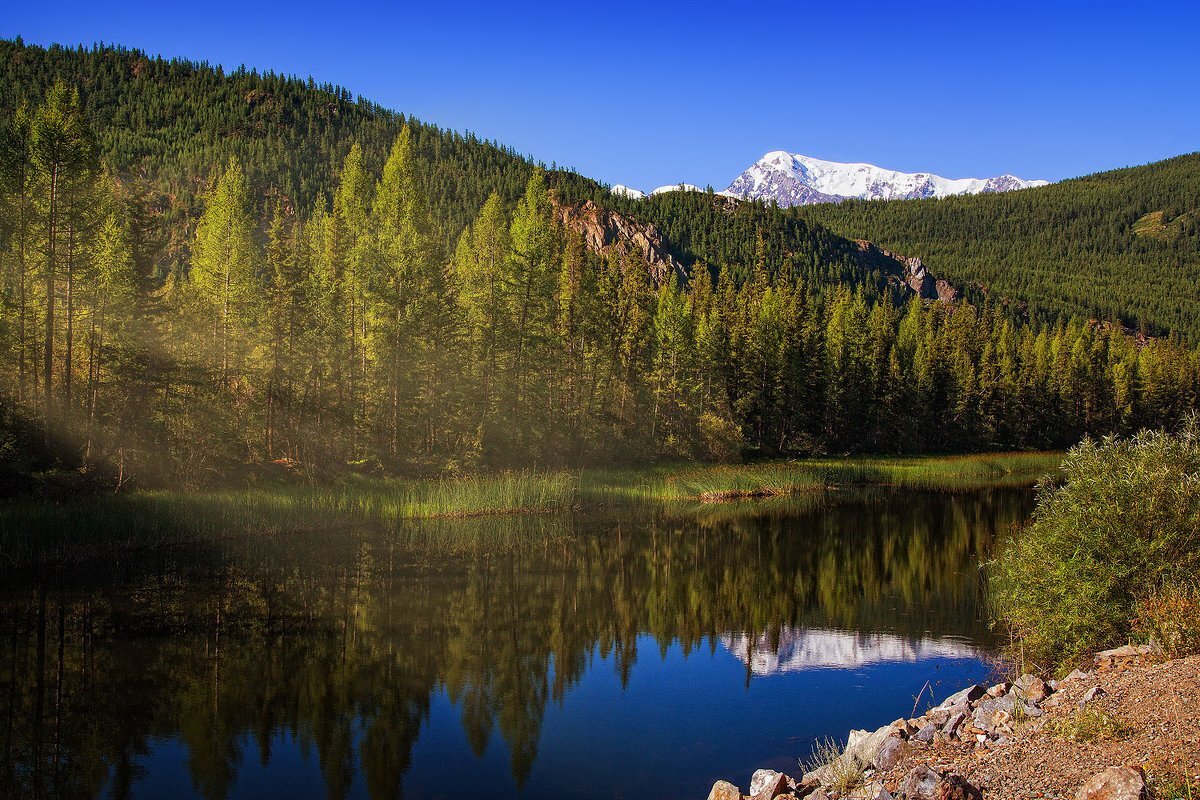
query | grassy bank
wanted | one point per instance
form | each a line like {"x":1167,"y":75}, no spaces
{"x":1112,"y":555}
{"x":157,"y":518}
{"x":32,"y":531}
{"x":769,"y":479}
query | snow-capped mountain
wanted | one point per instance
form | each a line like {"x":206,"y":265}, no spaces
{"x":791,"y":179}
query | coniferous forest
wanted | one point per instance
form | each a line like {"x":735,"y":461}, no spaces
{"x":210,"y":274}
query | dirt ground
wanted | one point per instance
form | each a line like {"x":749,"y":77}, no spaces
{"x":1155,"y":708}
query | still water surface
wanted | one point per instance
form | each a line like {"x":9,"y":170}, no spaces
{"x":629,"y":653}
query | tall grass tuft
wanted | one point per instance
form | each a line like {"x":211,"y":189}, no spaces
{"x":1125,"y":522}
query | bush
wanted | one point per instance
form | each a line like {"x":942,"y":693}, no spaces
{"x":1126,"y":520}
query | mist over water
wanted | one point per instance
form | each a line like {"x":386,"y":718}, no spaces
{"x":631,"y":652}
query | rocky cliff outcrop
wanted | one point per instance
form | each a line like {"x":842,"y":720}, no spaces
{"x":907,"y":271}
{"x":605,"y":231}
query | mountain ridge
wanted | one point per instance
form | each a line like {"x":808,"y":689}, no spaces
{"x":791,"y":179}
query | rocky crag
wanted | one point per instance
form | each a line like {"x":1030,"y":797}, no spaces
{"x":605,"y":231}
{"x":907,"y":272}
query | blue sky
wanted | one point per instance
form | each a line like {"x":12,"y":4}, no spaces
{"x":658,"y":93}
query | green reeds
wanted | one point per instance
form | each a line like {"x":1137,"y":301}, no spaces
{"x":775,"y":478}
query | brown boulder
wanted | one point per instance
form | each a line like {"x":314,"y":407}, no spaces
{"x":724,"y":790}
{"x":923,"y":783}
{"x":1032,"y":688}
{"x":890,"y":753}
{"x":768,"y":784}
{"x":1115,"y":783}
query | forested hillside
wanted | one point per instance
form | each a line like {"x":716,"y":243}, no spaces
{"x":1121,"y":245}
{"x":210,"y":277}
{"x":169,"y":124}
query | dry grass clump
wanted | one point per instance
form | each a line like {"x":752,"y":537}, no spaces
{"x":1170,"y":616}
{"x":842,"y":773}
{"x":1088,"y":724}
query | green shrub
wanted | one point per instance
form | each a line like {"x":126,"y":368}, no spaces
{"x":1126,"y":519}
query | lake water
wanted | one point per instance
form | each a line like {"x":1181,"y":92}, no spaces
{"x":626,"y":653}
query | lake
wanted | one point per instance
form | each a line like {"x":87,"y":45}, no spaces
{"x":626,"y":652}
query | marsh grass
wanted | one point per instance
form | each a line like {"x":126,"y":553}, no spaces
{"x":776,"y":478}
{"x":163,"y":518}
{"x":39,"y":531}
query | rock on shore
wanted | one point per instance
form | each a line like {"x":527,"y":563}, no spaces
{"x":1096,"y":735}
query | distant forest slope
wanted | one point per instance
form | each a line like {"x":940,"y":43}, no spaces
{"x":173,"y":123}
{"x":1121,"y":245}
{"x":170,"y":124}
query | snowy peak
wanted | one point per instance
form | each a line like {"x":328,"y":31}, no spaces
{"x":791,"y":179}
{"x":678,"y":187}
{"x":620,"y":190}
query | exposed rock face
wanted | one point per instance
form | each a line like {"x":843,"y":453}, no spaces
{"x":605,"y":231}
{"x":1115,"y":783}
{"x":906,"y":271}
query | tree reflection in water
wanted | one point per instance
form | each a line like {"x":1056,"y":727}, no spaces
{"x":340,"y":639}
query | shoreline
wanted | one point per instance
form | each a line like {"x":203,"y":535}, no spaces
{"x":1126,"y":729}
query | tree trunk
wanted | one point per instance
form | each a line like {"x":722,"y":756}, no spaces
{"x":68,"y":353}
{"x":22,"y":352}
{"x":48,"y":345}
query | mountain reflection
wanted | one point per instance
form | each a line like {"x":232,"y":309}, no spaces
{"x":341,"y":639}
{"x":799,"y":649}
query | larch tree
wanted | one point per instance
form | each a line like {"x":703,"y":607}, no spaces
{"x":63,"y":156}
{"x":410,"y":302}
{"x":224,"y":271}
